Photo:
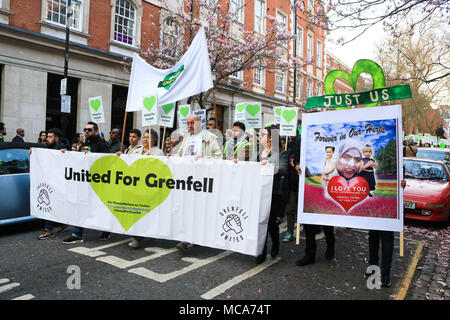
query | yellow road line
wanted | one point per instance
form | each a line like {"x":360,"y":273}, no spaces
{"x":404,"y":286}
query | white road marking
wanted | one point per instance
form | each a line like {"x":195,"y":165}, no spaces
{"x":9,"y":287}
{"x":196,"y":263}
{"x":238,"y":279}
{"x":124,"y":264}
{"x":4,"y":281}
{"x":24,"y":297}
{"x":95,"y":252}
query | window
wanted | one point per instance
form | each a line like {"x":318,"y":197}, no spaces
{"x":309,"y":53}
{"x":169,"y":40}
{"x":259,"y":16}
{"x":236,"y":64}
{"x":319,"y":55}
{"x":124,"y":22}
{"x":318,"y":89}
{"x":258,"y":76}
{"x":299,"y":87}
{"x":309,"y":88}
{"x":311,"y":6}
{"x":280,"y":82}
{"x":237,"y":9}
{"x":57,"y":13}
{"x":299,"y":42}
{"x":14,"y":161}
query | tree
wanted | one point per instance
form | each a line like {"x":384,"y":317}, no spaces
{"x":232,"y":48}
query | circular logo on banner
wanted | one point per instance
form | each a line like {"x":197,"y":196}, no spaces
{"x":232,"y":227}
{"x":43,"y":201}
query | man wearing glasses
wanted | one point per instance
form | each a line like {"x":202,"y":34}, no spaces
{"x":92,"y":143}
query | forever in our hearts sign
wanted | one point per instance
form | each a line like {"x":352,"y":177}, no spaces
{"x":352,"y":170}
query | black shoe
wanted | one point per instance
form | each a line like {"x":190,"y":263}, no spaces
{"x":73,"y":239}
{"x":105,"y":236}
{"x":329,"y":254}
{"x":385,"y":279}
{"x":260,"y":259}
{"x":275,"y":250}
{"x":304,"y":261}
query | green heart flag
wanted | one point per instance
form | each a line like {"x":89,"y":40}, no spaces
{"x":95,"y":104}
{"x":123,"y":188}
{"x":149,"y":102}
{"x":253,"y":109}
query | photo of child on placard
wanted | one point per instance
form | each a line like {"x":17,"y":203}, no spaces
{"x":351,"y":169}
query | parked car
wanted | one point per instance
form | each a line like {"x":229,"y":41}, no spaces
{"x":427,"y":192}
{"x":442,"y":154}
{"x":15,"y":181}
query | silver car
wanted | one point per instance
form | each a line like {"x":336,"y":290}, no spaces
{"x":15,"y":181}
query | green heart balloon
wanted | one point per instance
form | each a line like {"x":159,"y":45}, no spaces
{"x":360,"y":66}
{"x":149,"y":102}
{"x":129,"y":203}
{"x":240,"y":107}
{"x":253,"y":109}
{"x":95,"y":104}
{"x":184,"y":111}
{"x":289,"y":115}
{"x":168,"y":107}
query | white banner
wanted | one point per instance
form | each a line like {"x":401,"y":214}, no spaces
{"x":190,"y":75}
{"x":208,"y":202}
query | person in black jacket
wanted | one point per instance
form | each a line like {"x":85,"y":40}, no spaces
{"x":293,"y":173}
{"x":92,"y":143}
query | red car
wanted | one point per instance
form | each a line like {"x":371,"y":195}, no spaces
{"x":427,"y":192}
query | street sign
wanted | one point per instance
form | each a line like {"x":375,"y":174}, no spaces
{"x":65,"y":103}
{"x":63,"y":89}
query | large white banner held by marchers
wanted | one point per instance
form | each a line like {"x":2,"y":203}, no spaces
{"x":209,"y":202}
{"x":190,"y":76}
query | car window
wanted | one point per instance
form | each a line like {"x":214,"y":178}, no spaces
{"x":424,"y":170}
{"x":14,"y":161}
{"x":430,"y":154}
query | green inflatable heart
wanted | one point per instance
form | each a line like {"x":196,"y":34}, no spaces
{"x":125,"y":193}
{"x":289,"y":115}
{"x":278,"y":111}
{"x":184,"y":111}
{"x":360,"y":66}
{"x":240,"y":107}
{"x":95,"y":104}
{"x":149,"y":102}
{"x":168,"y":107}
{"x":253,"y":109}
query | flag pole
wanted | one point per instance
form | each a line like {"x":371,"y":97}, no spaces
{"x":123,"y":131}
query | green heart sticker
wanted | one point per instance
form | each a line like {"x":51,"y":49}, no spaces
{"x":149,"y":102}
{"x":289,"y":115}
{"x":240,"y":107}
{"x":168,"y":107}
{"x":360,"y":66}
{"x":184,"y":111}
{"x":123,"y":188}
{"x":253,"y":109}
{"x":95,"y":104}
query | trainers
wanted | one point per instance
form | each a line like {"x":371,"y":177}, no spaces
{"x":61,"y":228}
{"x":47,"y":234}
{"x":288,"y":237}
{"x":105,"y":236}
{"x":183,"y":246}
{"x":72,"y":239}
{"x":135,"y":244}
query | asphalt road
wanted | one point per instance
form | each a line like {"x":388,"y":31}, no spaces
{"x":111,"y":270}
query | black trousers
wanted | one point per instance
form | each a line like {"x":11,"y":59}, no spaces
{"x":272,"y":228}
{"x":387,"y":248}
{"x":310,"y":234}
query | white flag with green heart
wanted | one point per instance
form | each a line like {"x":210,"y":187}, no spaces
{"x":167,"y":115}
{"x":288,"y":121}
{"x":191,"y":75}
{"x":150,"y":111}
{"x":96,"y":110}
{"x":183,"y":112}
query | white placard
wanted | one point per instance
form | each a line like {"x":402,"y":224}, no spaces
{"x":288,"y":121}
{"x":150,"y":111}
{"x":167,"y":115}
{"x":184,"y":111}
{"x":96,"y":109}
{"x":253,"y":115}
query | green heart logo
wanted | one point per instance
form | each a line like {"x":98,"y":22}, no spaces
{"x":170,"y":79}
{"x":184,"y":111}
{"x":168,"y":107}
{"x":278,"y":111}
{"x":95,"y":104}
{"x":149,"y":102}
{"x":125,"y":193}
{"x":360,"y":66}
{"x":253,"y":109}
{"x":289,"y":115}
{"x":240,"y":107}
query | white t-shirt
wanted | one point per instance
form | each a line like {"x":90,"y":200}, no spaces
{"x":194,"y":145}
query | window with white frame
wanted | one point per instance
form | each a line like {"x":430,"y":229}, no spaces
{"x":57,"y":12}
{"x":282,"y":24}
{"x":124,"y":22}
{"x":237,"y":10}
{"x":236,"y":64}
{"x":309,"y":88}
{"x":169,"y":37}
{"x":299,"y":42}
{"x":259,"y":16}
{"x":280,"y":82}
{"x":258,"y":76}
{"x":309,"y":49}
{"x":318,"y":89}
{"x":319,"y":54}
{"x":299,"y":86}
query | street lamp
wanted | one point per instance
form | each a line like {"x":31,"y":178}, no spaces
{"x":69,"y":13}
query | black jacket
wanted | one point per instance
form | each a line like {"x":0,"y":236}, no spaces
{"x":114,"y":146}
{"x":95,"y":145}
{"x":294,"y":159}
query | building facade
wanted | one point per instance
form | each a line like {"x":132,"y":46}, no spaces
{"x":105,"y":32}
